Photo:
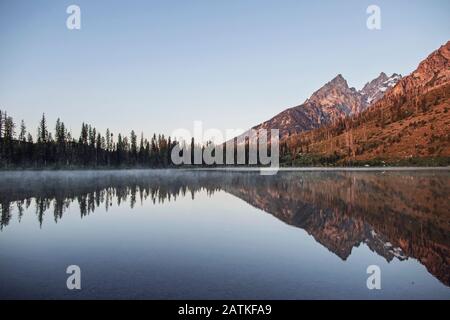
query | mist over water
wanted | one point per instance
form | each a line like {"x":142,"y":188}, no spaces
{"x":181,"y":234}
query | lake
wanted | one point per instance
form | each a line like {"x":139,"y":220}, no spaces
{"x":180,"y":234}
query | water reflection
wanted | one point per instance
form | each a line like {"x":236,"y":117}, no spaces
{"x":398,"y":215}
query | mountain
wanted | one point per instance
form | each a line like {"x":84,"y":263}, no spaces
{"x":432,"y":73}
{"x":411,"y":120}
{"x":375,"y":89}
{"x":335,"y":100}
{"x":345,"y":210}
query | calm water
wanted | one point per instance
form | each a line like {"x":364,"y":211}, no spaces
{"x":225,"y":235}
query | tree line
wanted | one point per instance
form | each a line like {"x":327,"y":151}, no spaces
{"x":58,"y":148}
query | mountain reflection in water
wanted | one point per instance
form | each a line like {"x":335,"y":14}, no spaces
{"x":398,"y":215}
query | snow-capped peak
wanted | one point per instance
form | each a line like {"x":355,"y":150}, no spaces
{"x":375,"y":89}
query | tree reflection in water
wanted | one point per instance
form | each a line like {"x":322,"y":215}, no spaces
{"x":398,"y":215}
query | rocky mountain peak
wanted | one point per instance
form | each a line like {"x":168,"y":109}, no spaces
{"x":375,"y":89}
{"x":436,"y":62}
{"x":337,"y":86}
{"x":433,"y":72}
{"x":339,"y":80}
{"x":336,"y":99}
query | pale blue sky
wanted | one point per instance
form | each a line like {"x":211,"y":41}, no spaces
{"x":155,"y":66}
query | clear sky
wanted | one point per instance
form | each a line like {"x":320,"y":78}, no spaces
{"x":156,"y":66}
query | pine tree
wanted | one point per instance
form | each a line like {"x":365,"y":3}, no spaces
{"x":84,"y":134}
{"x":8,"y":134}
{"x":23,"y":132}
{"x":108,"y":140}
{"x":119,"y":149}
{"x":92,"y":136}
{"x":29,"y":138}
{"x":133,"y":150}
{"x":154,"y":151}
{"x":1,"y":125}
{"x":141,"y":149}
{"x":147,"y":153}
{"x":42,"y":130}
{"x":60,"y":132}
{"x":8,"y":138}
{"x":98,"y":148}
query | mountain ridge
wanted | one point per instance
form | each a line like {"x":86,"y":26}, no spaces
{"x":411,"y":120}
{"x":333,"y":101}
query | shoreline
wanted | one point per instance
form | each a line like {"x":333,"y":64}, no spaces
{"x":236,"y":169}
{"x":306,"y":169}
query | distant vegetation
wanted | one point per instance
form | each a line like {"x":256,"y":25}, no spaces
{"x":92,"y":149}
{"x":58,"y":149}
